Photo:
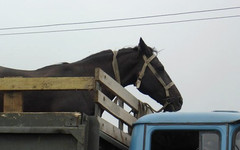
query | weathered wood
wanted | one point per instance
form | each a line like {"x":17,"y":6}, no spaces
{"x":114,"y":132}
{"x":116,"y":88}
{"x":12,"y":102}
{"x":97,"y":111}
{"x":114,"y":109}
{"x":46,"y":83}
{"x":37,"y":119}
{"x":120,"y":104}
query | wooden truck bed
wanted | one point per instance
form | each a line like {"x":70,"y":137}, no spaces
{"x":65,"y":131}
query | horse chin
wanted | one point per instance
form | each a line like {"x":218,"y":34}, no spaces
{"x":172,"y":108}
{"x":175,"y":105}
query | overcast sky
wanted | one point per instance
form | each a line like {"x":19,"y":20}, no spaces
{"x":201,"y":57}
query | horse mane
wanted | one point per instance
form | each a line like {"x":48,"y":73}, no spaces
{"x":100,"y":55}
{"x":96,"y":55}
{"x":54,"y":65}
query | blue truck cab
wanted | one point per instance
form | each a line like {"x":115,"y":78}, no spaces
{"x":187,"y":131}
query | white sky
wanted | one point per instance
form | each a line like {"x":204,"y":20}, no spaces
{"x":202,"y":57}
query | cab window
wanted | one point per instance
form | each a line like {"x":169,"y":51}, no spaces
{"x":185,"y":140}
{"x":209,"y":141}
{"x":237,"y":141}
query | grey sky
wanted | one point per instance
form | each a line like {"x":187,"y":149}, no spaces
{"x":202,"y":57}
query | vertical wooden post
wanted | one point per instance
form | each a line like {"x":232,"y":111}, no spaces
{"x":12,"y":102}
{"x":120,"y":123}
{"x":97,"y":111}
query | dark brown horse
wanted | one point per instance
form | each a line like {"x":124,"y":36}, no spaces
{"x":135,"y":65}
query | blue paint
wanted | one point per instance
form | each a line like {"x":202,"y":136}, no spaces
{"x":225,"y":124}
{"x":186,"y":117}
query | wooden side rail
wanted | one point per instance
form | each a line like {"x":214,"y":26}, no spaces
{"x":103,"y":79}
{"x":117,"y":89}
{"x":114,"y":132}
{"x":114,"y":109}
{"x":13,"y":87}
{"x":46,"y":83}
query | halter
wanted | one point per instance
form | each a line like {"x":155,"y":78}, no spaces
{"x":147,"y":63}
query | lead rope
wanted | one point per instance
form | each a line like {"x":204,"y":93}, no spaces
{"x":156,"y":111}
{"x":145,"y":108}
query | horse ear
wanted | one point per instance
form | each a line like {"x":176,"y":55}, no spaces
{"x":143,"y":48}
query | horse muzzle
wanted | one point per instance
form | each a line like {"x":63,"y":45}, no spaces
{"x":173,"y":104}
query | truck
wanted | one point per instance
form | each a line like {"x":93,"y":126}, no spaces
{"x":219,"y":130}
{"x":77,"y":131}
{"x":159,"y":131}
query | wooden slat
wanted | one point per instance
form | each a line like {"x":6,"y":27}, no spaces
{"x":12,"y":102}
{"x":47,"y":83}
{"x":114,"y":132}
{"x":114,"y":109}
{"x":116,"y":88}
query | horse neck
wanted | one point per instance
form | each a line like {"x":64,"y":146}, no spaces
{"x":100,"y":60}
{"x":129,"y":64}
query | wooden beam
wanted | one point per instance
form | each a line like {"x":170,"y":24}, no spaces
{"x":12,"y":102}
{"x":114,"y":109}
{"x":116,"y":88}
{"x":46,"y":83}
{"x":114,"y":132}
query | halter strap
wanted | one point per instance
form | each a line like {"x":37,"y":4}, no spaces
{"x":147,"y":62}
{"x":141,"y":74}
{"x":115,"y":67}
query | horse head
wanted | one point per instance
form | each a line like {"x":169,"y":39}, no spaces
{"x":147,"y":73}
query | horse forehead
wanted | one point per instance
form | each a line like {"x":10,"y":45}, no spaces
{"x":156,"y":62}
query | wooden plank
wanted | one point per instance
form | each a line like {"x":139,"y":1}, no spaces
{"x":116,"y":88}
{"x":12,"y":102}
{"x":120,"y":104}
{"x":114,"y":132}
{"x":38,"y":119}
{"x":114,"y":109}
{"x":47,"y":83}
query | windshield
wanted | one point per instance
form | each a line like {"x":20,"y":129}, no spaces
{"x":185,"y":140}
{"x":237,"y":141}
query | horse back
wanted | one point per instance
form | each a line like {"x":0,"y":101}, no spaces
{"x":8,"y":72}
